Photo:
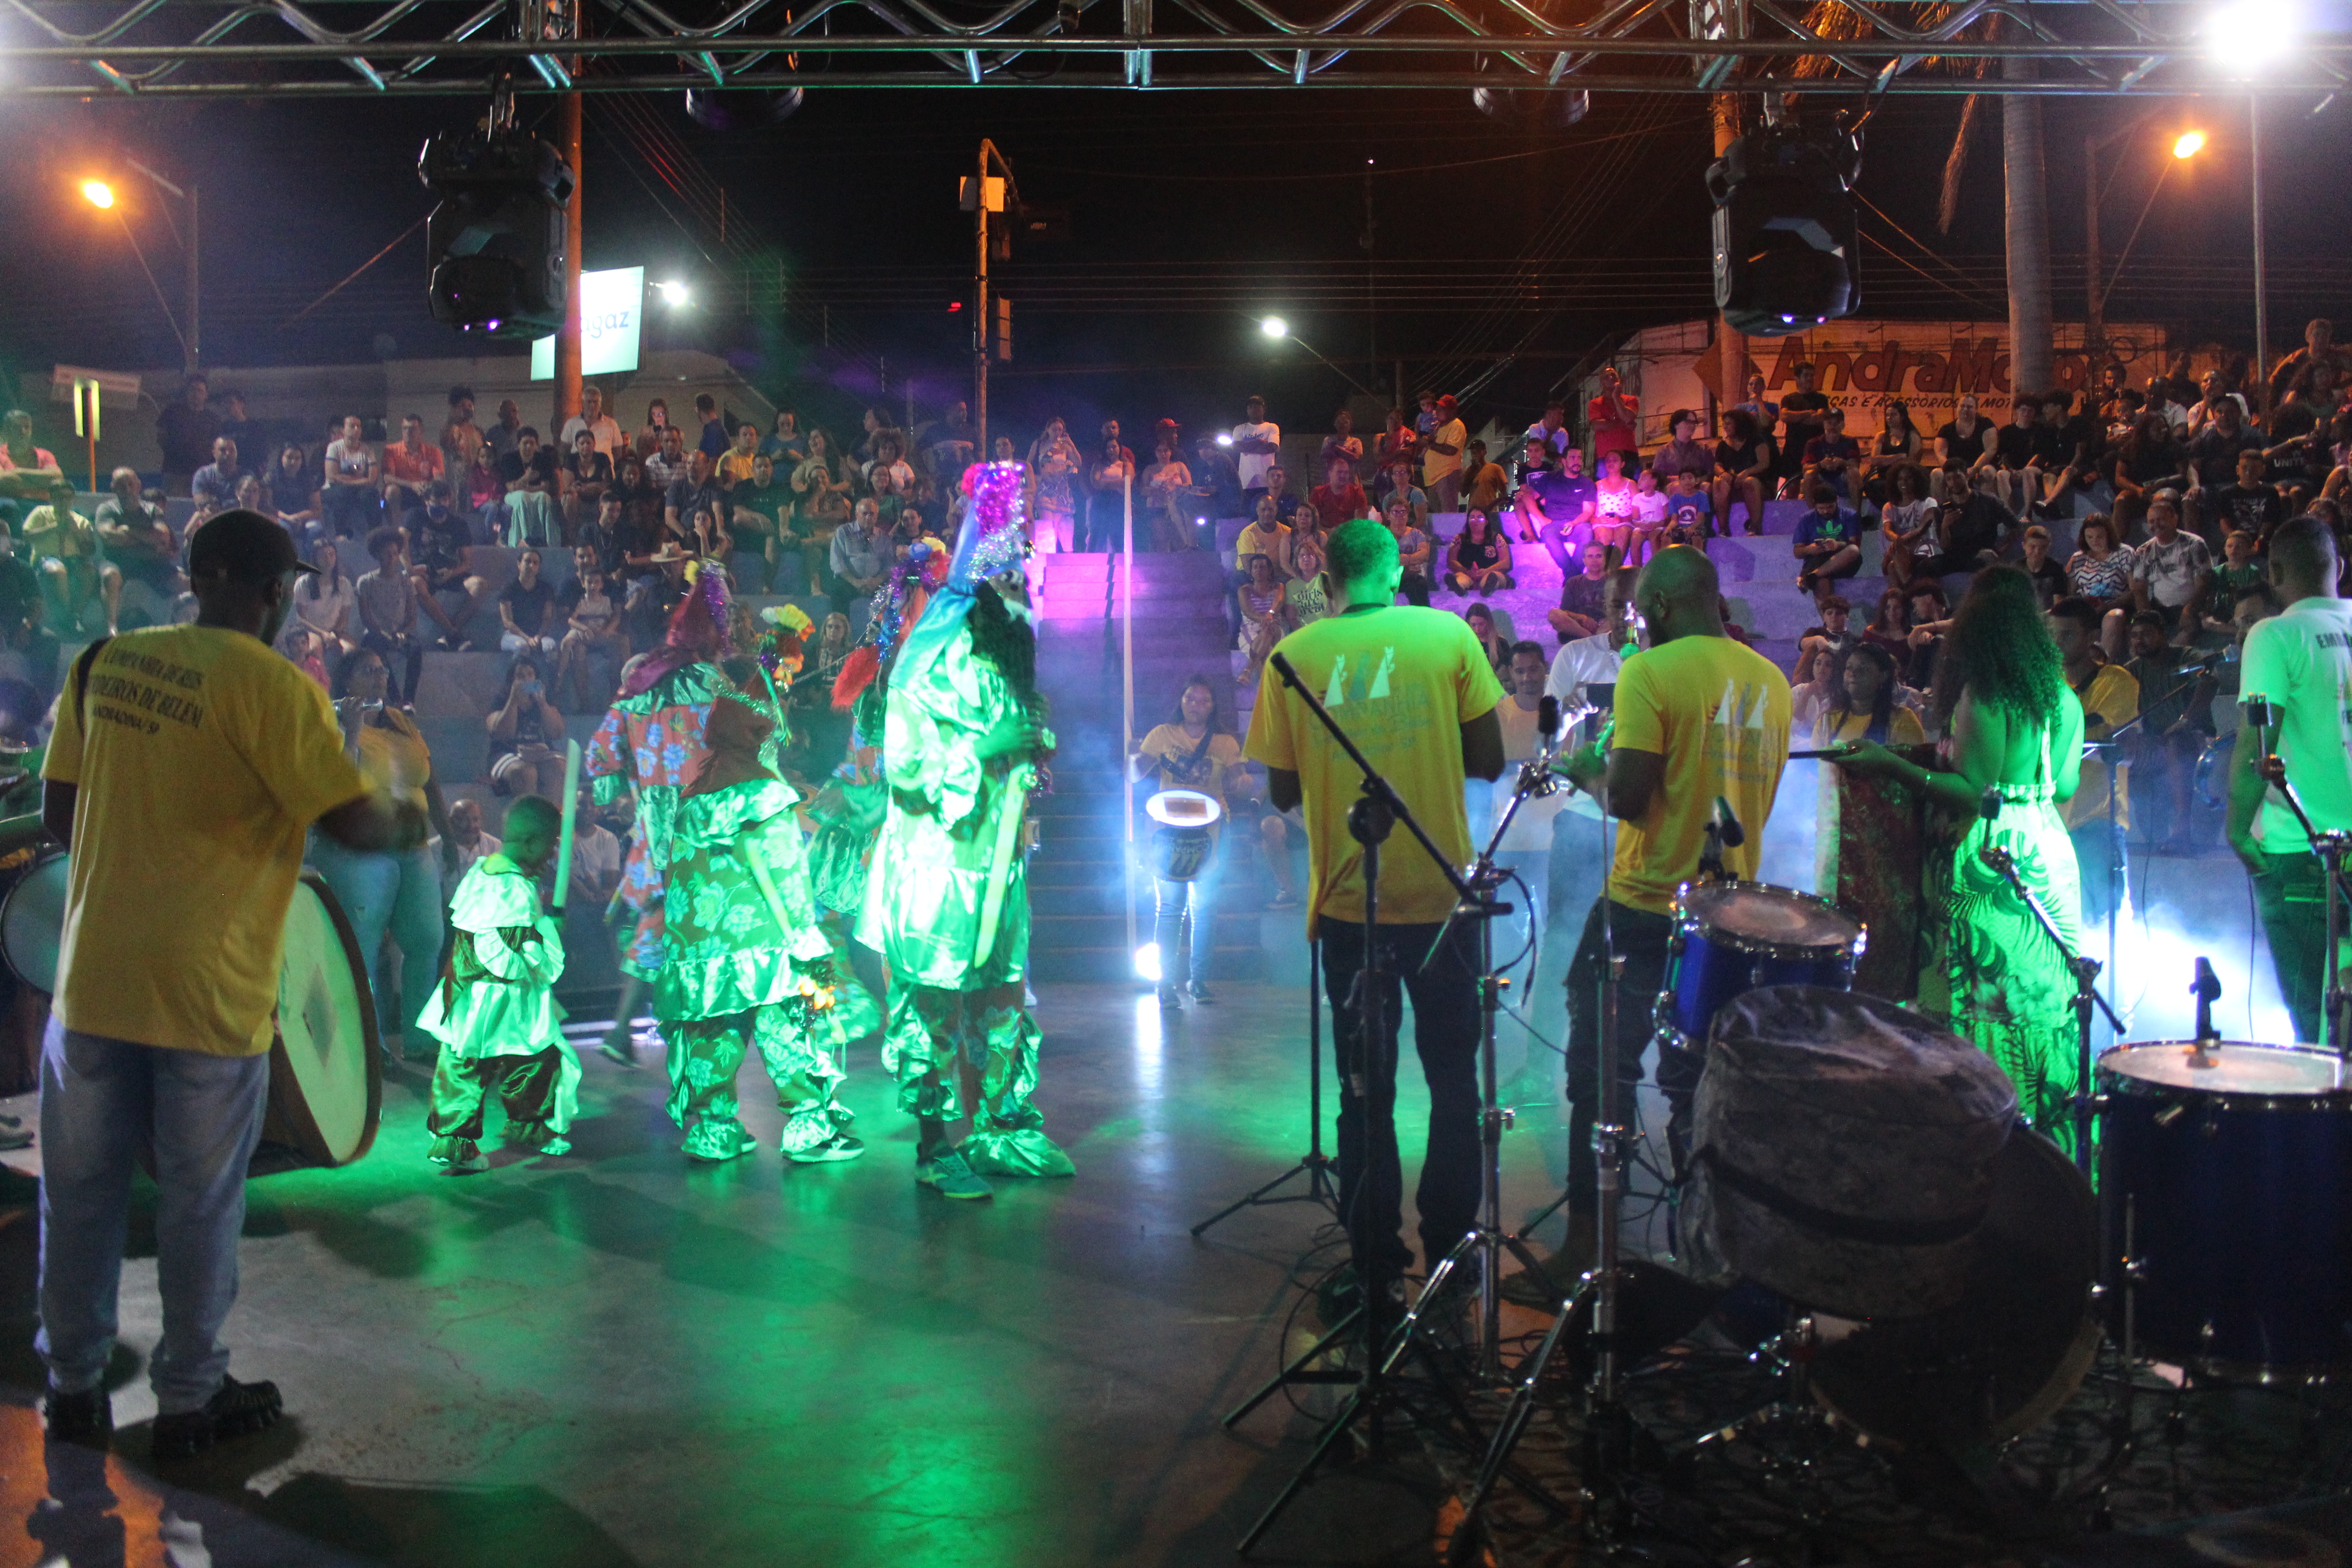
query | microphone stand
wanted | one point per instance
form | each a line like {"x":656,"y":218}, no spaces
{"x":2331,"y":847}
{"x":1369,"y":823}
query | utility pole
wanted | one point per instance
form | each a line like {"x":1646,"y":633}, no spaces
{"x":983,"y":194}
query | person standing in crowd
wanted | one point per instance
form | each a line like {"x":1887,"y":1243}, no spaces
{"x":1108,"y":480}
{"x":26,"y":466}
{"x":1989,"y":972}
{"x":504,"y":437}
{"x":711,"y":439}
{"x":350,"y":504}
{"x":161,"y":1027}
{"x":2299,"y":663}
{"x":1403,"y":682}
{"x":1699,"y":719}
{"x":1614,"y":418}
{"x":1256,"y":447}
{"x":390,"y":892}
{"x":1441,"y":457}
{"x":1343,"y":442}
{"x":1196,"y":750}
{"x":1551,"y":430}
{"x":185,"y":430}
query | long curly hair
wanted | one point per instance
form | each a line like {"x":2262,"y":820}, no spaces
{"x":2000,"y":650}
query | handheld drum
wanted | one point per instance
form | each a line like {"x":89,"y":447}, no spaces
{"x":1180,"y":844}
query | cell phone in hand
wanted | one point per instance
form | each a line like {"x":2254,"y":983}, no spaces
{"x":530,"y":689}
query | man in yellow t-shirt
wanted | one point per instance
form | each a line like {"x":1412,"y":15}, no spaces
{"x":1699,"y":718}
{"x":2110,"y":697}
{"x":186,"y":763}
{"x":1415,"y":693}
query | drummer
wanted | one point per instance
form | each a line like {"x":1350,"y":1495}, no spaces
{"x":1699,"y":718}
{"x":186,"y":763}
{"x":1196,"y":751}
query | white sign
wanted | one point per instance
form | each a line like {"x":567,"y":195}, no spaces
{"x":612,"y":313}
{"x":115,"y":386}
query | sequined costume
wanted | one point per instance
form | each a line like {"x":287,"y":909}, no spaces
{"x":496,"y":1019}
{"x":1989,"y":969}
{"x":947,"y":902}
{"x":742,"y":951}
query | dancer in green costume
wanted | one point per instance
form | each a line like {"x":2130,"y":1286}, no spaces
{"x":494,"y":1011}
{"x":948,"y":902}
{"x":1988,"y":970}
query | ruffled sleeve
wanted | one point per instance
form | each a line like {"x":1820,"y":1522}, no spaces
{"x":607,"y":760}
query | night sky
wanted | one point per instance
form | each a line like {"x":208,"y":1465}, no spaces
{"x":1192,"y":214}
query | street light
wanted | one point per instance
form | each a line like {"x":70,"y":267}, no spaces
{"x":101,"y":195}
{"x":1276,"y":328}
{"x":97,"y":194}
{"x":2190,"y":144}
{"x":2187,"y":146}
{"x":673,"y":292}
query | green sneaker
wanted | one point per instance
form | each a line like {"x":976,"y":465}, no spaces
{"x":840,"y":1146}
{"x":947,"y":1175}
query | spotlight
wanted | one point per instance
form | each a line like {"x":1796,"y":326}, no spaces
{"x":2191,"y":142}
{"x":495,"y":242}
{"x":2251,"y":35}
{"x":1147,"y":962}
{"x":97,"y":193}
{"x":1273,"y":326}
{"x":674,"y":294}
{"x":1786,"y":244}
{"x":740,"y":109}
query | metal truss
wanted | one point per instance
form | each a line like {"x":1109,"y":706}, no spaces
{"x":332,"y":48}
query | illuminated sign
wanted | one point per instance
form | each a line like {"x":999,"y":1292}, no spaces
{"x":612,"y":313}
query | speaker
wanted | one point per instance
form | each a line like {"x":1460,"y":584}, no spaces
{"x":1786,"y":244}
{"x":495,"y":242}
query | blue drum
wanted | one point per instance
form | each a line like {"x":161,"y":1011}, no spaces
{"x":1731,"y":937}
{"x":2225,"y":1183}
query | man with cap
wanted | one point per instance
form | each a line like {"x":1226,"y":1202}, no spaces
{"x":186,"y":764}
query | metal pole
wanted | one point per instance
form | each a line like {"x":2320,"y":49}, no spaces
{"x":1127,"y":677}
{"x":981,"y":330}
{"x":567,"y":337}
{"x":196,"y":283}
{"x":2262,"y":290}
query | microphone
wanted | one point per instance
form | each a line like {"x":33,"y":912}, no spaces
{"x":2207,"y":990}
{"x":1726,"y":823}
{"x":1988,"y":806}
{"x":1548,"y":719}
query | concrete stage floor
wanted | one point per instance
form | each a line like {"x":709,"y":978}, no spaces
{"x":614,"y":1358}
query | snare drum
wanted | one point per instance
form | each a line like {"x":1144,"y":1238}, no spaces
{"x":2227,"y":1187}
{"x":1731,"y":937}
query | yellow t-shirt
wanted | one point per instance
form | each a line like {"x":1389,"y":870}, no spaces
{"x":1218,"y":764}
{"x":200,"y":756}
{"x":735,"y":468}
{"x":2113,"y":694}
{"x":1435,"y":465}
{"x":1836,"y":727}
{"x":1401,"y":682}
{"x":394,"y":757}
{"x":1718,"y":714}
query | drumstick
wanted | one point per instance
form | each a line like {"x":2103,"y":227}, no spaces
{"x":570,"y":817}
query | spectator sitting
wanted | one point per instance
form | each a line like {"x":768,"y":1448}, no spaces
{"x":1265,"y":536}
{"x":1264,"y":614}
{"x":1685,"y":454}
{"x":466,"y":833}
{"x":1612,"y":502}
{"x":605,"y":538}
{"x":1744,"y":461}
{"x":592,"y":634}
{"x":326,"y":606}
{"x":410,"y":465}
{"x":1583,"y":598}
{"x":2100,"y":570}
{"x":349,"y":503}
{"x":1829,"y":540}
{"x":1414,"y":552}
{"x":861,"y":556}
{"x":293,"y":495}
{"x":1307,"y":598}
{"x":696,"y":490}
{"x":526,"y":737}
{"x":1931,"y":617}
{"x":1557,"y":510}
{"x":599,"y":425}
{"x":763,"y":510}
{"x":1339,"y":499}
{"x":2239,"y":575}
{"x":527,"y":609}
{"x":1484,"y":482}
{"x":138,"y":541}
{"x":1496,"y":646}
{"x":1974,"y":530}
{"x":527,"y":473}
{"x":1817,"y":645}
{"x":1832,"y":456}
{"x":651,"y":598}
{"x":2169,"y":572}
{"x":75,"y":577}
{"x":706,"y":538}
{"x":28,"y":651}
{"x":785,"y":445}
{"x":1480,"y":560}
{"x":1687,"y":515}
{"x":586,"y":475}
{"x":214,"y":486}
{"x":2049,"y":577}
{"x":668,"y":463}
{"x":448,"y":590}
{"x":387,"y":601}
{"x":1907,"y":523}
{"x":26,"y":466}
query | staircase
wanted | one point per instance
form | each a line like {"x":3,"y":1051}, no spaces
{"x":1076,"y":885}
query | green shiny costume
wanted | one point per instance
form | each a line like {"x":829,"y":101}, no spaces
{"x":958,"y":1037}
{"x":496,"y":1019}
{"x":1989,"y":972}
{"x":743,"y":953}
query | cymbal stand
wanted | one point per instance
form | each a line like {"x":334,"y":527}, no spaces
{"x":1315,"y":1164}
{"x":1369,"y":823}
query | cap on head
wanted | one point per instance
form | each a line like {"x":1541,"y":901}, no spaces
{"x":243,"y":546}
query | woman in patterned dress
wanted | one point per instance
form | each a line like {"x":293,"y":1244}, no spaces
{"x":2015,"y":742}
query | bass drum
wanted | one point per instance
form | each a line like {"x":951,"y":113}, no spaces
{"x":326,"y":1065}
{"x":33,"y":923}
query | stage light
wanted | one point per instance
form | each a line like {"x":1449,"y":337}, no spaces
{"x":1786,"y":242}
{"x":1275,"y":326}
{"x":97,"y":194}
{"x":2190,"y":143}
{"x":1147,"y":962}
{"x":1224,"y":440}
{"x":2253,"y":35}
{"x":674,"y":293}
{"x":495,"y":240}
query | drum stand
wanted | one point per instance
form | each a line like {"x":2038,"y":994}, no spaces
{"x":1381,"y":1350}
{"x":1315,"y":1166}
{"x":2087,"y":999}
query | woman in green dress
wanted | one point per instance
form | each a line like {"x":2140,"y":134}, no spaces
{"x":2014,"y":737}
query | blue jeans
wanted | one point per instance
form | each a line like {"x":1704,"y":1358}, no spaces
{"x":102,"y":1099}
{"x":382,"y":891}
{"x":1197,"y":897}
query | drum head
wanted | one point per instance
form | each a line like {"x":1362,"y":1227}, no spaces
{"x":2012,"y":1350}
{"x":33,"y":923}
{"x":1184,"y":808}
{"x":326,"y":1068}
{"x":2233,"y":1066}
{"x":1771,"y":916}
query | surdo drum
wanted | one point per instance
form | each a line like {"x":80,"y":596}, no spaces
{"x":1181,"y":843}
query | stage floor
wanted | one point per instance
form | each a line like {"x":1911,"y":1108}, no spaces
{"x":615,"y":1357}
